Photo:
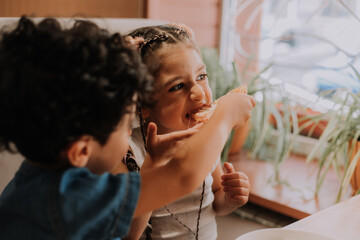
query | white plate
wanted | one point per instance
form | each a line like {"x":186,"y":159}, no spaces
{"x":282,"y":234}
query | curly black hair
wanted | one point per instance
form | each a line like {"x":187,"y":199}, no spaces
{"x":57,"y":85}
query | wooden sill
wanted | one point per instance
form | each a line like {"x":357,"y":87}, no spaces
{"x":294,"y":198}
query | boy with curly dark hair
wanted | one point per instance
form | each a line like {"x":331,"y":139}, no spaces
{"x":68,"y":97}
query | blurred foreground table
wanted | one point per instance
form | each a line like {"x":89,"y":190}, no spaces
{"x":340,"y":221}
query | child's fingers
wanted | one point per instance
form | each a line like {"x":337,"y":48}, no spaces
{"x":236,"y":191}
{"x":191,"y":131}
{"x":151,"y":133}
{"x":197,"y":126}
{"x":240,"y":199}
{"x":178,"y":135}
{"x":229,"y":167}
{"x":236,"y":183}
{"x":234,"y":175}
{"x":252,"y":100}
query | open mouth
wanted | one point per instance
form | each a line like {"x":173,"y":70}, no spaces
{"x":189,"y":116}
{"x":192,"y":115}
{"x":203,"y":114}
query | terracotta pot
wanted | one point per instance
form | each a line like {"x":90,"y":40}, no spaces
{"x":316,"y":129}
{"x":355,"y":179}
{"x":239,"y":138}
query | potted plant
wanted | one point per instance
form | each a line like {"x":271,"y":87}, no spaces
{"x":257,"y":135}
{"x":273,"y":128}
{"x":338,"y":146}
{"x":355,"y":178}
{"x":266,"y":141}
{"x":221,"y":82}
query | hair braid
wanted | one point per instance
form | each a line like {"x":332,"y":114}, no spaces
{"x":147,"y":44}
{"x":155,"y":38}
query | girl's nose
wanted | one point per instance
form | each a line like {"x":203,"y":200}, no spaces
{"x":197,"y":94}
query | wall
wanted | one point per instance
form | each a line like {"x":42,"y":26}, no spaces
{"x":203,"y":16}
{"x":72,"y":8}
{"x":9,"y":164}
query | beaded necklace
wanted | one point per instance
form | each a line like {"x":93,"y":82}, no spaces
{"x":196,"y":234}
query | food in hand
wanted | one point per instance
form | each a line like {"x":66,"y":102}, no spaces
{"x":204,"y":113}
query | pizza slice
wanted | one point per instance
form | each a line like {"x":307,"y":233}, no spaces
{"x":204,"y":113}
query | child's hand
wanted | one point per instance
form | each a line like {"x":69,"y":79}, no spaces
{"x":162,"y":147}
{"x":235,"y":185}
{"x":236,"y":106}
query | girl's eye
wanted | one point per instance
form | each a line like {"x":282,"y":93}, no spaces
{"x":176,"y":87}
{"x":202,"y":76}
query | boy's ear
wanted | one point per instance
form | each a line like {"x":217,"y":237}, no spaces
{"x":79,"y":152}
{"x":145,"y":113}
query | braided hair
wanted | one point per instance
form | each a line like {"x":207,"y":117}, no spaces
{"x":156,"y":38}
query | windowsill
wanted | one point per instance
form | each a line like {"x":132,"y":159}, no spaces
{"x":295,"y":197}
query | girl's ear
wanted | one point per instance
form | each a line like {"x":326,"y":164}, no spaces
{"x":79,"y":152}
{"x":145,"y":113}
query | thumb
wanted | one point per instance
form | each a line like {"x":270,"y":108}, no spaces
{"x":229,"y":167}
{"x":151,"y":134}
{"x":252,"y":100}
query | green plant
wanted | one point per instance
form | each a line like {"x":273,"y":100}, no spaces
{"x":260,"y":140}
{"x":221,"y":82}
{"x":336,"y":145}
{"x":274,"y":145}
{"x":334,"y":148}
{"x":264,"y":141}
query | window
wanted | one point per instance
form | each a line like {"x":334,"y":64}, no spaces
{"x":311,"y":44}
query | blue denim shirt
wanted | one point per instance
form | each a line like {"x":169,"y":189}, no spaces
{"x":72,"y":204}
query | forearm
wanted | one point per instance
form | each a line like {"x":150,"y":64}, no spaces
{"x":205,"y":146}
{"x":239,"y":138}
{"x":187,"y":168}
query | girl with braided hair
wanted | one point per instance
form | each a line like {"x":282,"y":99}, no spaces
{"x":181,"y":87}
